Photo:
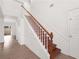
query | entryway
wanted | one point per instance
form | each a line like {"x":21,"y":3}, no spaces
{"x":7,"y":36}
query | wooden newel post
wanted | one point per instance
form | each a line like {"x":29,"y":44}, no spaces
{"x":51,"y":35}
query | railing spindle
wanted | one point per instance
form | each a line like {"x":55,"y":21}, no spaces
{"x":43,"y":38}
{"x":41,"y":35}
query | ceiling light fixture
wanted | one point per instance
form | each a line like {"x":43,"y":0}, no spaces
{"x":52,"y":4}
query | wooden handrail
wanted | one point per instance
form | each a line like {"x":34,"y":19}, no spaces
{"x":50,"y":34}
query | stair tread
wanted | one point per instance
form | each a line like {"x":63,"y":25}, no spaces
{"x":55,"y":52}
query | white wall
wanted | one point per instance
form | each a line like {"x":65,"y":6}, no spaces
{"x":20,"y":31}
{"x":11,"y":8}
{"x":55,"y":19}
{"x":1,"y":25}
{"x":1,"y":33}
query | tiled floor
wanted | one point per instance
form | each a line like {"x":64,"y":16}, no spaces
{"x":13,"y":50}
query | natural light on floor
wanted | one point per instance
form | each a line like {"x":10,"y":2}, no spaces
{"x":7,"y":41}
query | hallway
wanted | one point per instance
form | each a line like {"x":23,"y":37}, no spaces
{"x":13,"y":50}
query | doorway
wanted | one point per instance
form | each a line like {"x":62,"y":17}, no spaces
{"x":73,"y":32}
{"x":7,"y":30}
{"x":7,"y":36}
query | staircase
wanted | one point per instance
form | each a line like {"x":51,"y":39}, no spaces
{"x":44,"y":36}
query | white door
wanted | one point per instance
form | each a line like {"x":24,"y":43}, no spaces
{"x":73,"y":28}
